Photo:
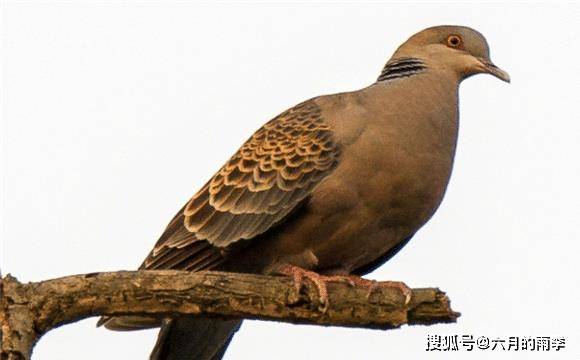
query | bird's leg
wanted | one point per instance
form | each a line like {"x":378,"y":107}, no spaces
{"x":298,"y":274}
{"x":371,"y":285}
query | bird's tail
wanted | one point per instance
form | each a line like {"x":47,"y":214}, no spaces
{"x":128,"y":323}
{"x":195,"y":338}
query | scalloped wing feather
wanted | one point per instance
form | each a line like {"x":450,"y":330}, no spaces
{"x":258,"y":187}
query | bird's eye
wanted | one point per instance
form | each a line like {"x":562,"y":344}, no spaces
{"x":454,"y":41}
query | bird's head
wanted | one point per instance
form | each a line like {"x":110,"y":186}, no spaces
{"x":459,"y":49}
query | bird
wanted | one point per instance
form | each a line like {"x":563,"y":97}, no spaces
{"x":331,"y":188}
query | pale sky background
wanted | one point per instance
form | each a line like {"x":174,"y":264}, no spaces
{"x":114,"y":113}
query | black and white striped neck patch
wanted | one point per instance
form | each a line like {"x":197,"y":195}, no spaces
{"x":402,"y":67}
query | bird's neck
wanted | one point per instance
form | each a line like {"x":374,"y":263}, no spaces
{"x":402,"y":67}
{"x":426,"y":115}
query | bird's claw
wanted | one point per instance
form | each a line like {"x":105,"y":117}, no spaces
{"x":298,"y":275}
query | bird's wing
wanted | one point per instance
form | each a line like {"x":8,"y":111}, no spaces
{"x":269,"y":176}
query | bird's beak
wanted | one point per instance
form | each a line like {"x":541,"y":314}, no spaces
{"x":490,"y":68}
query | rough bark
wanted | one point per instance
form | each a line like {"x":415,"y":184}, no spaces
{"x":27,"y":311}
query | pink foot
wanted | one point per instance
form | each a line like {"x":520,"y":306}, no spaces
{"x":298,"y":274}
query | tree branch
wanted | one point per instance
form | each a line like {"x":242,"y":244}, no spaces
{"x":27,"y":311}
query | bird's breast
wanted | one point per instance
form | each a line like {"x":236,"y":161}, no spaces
{"x":379,"y":208}
{"x":388,"y":184}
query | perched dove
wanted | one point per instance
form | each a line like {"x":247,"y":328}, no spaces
{"x":332,"y":187}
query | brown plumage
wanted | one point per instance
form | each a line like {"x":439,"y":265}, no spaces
{"x":266,"y":179}
{"x":336,"y":184}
